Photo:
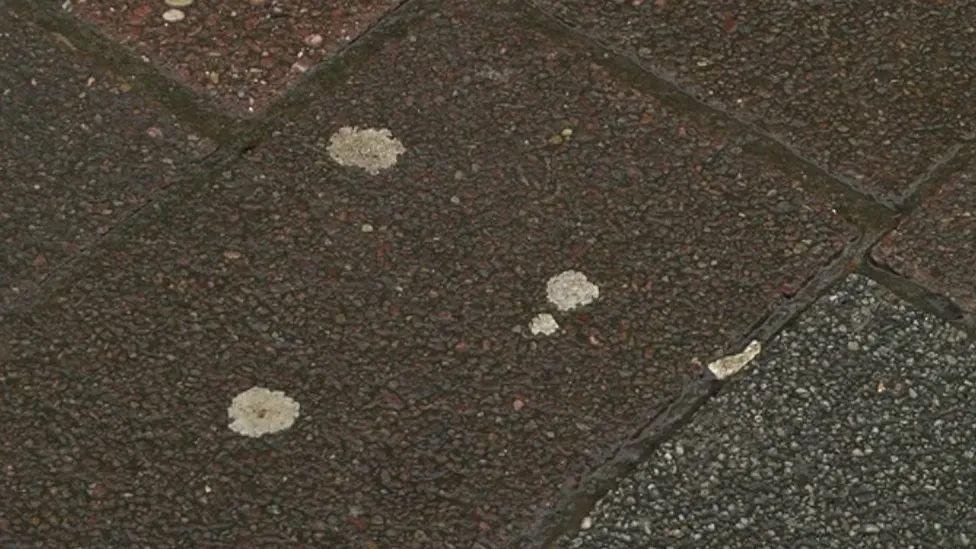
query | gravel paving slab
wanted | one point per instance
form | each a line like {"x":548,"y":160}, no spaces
{"x":936,"y":245}
{"x":245,"y":52}
{"x":456,"y":280}
{"x":852,"y":429}
{"x":873,"y":91}
{"x":78,"y":151}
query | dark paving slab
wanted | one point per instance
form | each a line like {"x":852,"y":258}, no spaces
{"x":244,"y":52}
{"x":852,"y":429}
{"x":79,"y":150}
{"x":874,"y":91}
{"x":936,"y":245}
{"x":394,"y":308}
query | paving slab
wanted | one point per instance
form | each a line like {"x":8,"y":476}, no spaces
{"x":79,"y":150}
{"x":383,"y":260}
{"x":874,"y":92}
{"x":936,"y":245}
{"x":852,"y":429}
{"x":244,"y":52}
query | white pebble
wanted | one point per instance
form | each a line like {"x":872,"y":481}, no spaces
{"x":729,"y":365}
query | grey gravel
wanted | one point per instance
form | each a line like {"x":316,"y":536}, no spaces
{"x":852,"y":429}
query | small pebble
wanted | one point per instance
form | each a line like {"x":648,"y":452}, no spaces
{"x":174,"y":15}
{"x":367,"y":228}
{"x":314,"y":40}
{"x":729,"y":365}
{"x":179,"y":3}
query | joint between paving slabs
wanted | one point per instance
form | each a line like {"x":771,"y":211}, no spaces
{"x":203,"y":114}
{"x":934,"y":177}
{"x":191,"y":180}
{"x":862,"y":206}
{"x":566,"y":516}
{"x":919,"y":296}
{"x":189,"y":106}
{"x":573,"y":506}
{"x":235,"y":137}
{"x":669,"y":418}
{"x":909,"y":290}
{"x":873,"y":215}
{"x":332,"y":71}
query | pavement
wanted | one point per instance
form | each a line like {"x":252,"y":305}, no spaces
{"x":852,"y":430}
{"x":450,"y":274}
{"x":243,"y":54}
{"x":876,"y":94}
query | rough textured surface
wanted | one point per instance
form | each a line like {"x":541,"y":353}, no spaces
{"x":78,"y":151}
{"x":244,"y":52}
{"x":853,"y":429}
{"x":875,"y":91}
{"x":430,"y":416}
{"x":936,"y":245}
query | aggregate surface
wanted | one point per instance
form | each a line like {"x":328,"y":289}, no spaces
{"x":936,"y":244}
{"x":875,"y":92}
{"x":393,"y":304}
{"x":80,"y":150}
{"x":852,"y":429}
{"x":244,"y":52}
